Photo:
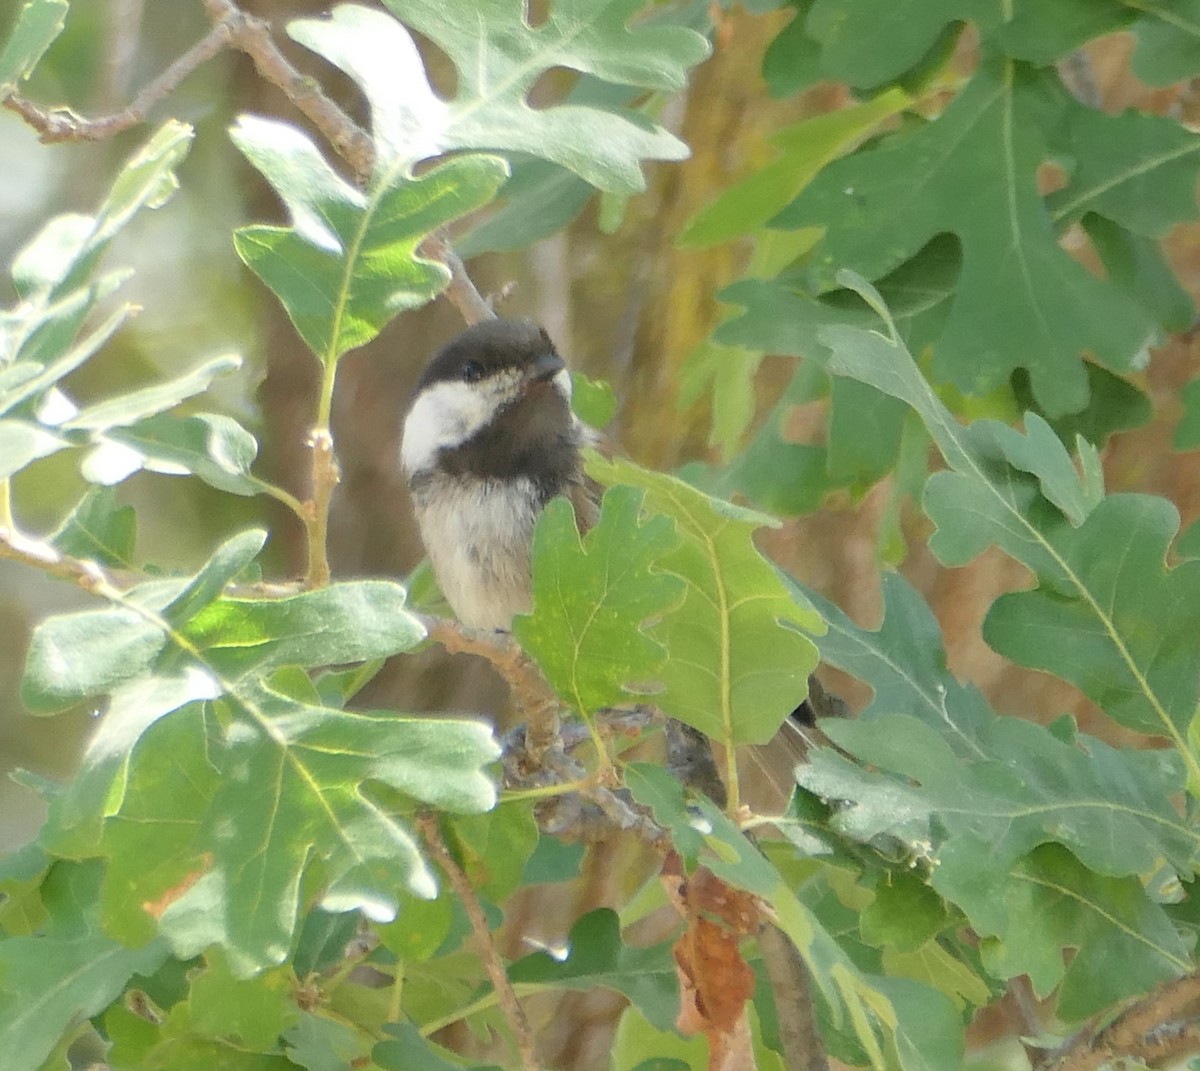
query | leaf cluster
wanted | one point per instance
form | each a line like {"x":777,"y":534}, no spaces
{"x":237,"y":875}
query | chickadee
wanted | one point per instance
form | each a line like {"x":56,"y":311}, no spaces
{"x":489,"y":439}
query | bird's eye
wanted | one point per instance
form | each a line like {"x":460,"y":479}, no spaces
{"x":472,"y":371}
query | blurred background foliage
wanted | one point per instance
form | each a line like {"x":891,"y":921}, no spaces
{"x":623,"y":299}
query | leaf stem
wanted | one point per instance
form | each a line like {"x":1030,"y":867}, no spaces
{"x":542,"y":792}
{"x":280,"y":495}
{"x":397,"y":994}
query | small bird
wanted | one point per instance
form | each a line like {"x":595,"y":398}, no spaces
{"x":489,"y":439}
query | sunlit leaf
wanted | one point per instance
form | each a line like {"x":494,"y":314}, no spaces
{"x":348,"y":264}
{"x":209,"y":445}
{"x":99,"y":530}
{"x":499,"y":56}
{"x":38,"y":23}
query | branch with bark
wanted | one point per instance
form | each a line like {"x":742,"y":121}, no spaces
{"x":1157,"y":1030}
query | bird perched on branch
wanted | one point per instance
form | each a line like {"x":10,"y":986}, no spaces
{"x":489,"y":439}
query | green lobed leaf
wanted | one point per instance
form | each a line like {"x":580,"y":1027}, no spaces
{"x":1097,"y":582}
{"x":1137,"y":170}
{"x":727,"y":373}
{"x":635,"y":1037}
{"x":70,"y":971}
{"x":348,"y":263}
{"x":38,"y":23}
{"x":792,"y":478}
{"x":592,"y":599}
{"x":320,"y":1043}
{"x":1168,"y":41}
{"x":21,"y":875}
{"x":790,"y":64}
{"x":1131,"y":620}
{"x":592,"y":400}
{"x":58,"y":260}
{"x":496,"y":845}
{"x":597,"y":956}
{"x":541,"y":198}
{"x":284,"y":788}
{"x":1020,"y":787}
{"x":873,"y":41}
{"x":1050,"y":902}
{"x":905,"y":914}
{"x":1021,"y":301}
{"x":23,"y":442}
{"x":1139,"y":265}
{"x":53,"y":367}
{"x":99,"y":530}
{"x":252,"y":1011}
{"x":323,"y":940}
{"x":350,"y":621}
{"x":72,"y":657}
{"x":406,"y":1049}
{"x":738,"y":664}
{"x":1041,"y":34}
{"x":538,"y":199}
{"x":203,"y":589}
{"x":904,"y":662}
{"x":419,"y":929}
{"x":178,"y":1044}
{"x":499,"y":56}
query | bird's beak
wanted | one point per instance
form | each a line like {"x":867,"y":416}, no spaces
{"x":545,"y":368}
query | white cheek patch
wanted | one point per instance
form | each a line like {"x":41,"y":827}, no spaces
{"x":446,"y":414}
{"x":562,"y":384}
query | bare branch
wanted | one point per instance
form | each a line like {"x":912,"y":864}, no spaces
{"x":803,"y":1049}
{"x":253,"y":37}
{"x":44,"y":556}
{"x":1150,"y":1030}
{"x":533,"y":695}
{"x":61,"y":124}
{"x":514,"y":1014}
{"x":461,"y":292}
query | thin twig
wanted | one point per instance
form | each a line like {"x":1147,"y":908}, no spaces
{"x":461,"y":292}
{"x":231,"y":28}
{"x":41,"y":555}
{"x":316,"y":519}
{"x":791,"y":983}
{"x":514,"y":1014}
{"x":1136,"y":1032}
{"x":253,"y":37}
{"x":62,"y":124}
